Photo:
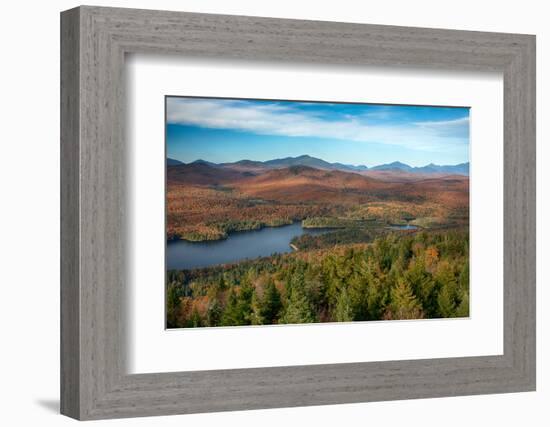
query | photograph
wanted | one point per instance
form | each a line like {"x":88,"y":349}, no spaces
{"x":317,"y":212}
{"x":293,"y":212}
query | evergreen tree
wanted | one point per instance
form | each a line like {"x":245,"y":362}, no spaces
{"x":256,"y":317}
{"x":214,"y":313}
{"x":463,"y":309}
{"x":447,"y":290}
{"x":445,"y":304}
{"x":244,"y":305}
{"x":343,"y":312}
{"x":298,"y":309}
{"x":399,"y":276}
{"x":403,"y":303}
{"x":270,"y":304}
{"x":231,"y":315}
{"x":464,"y":277}
{"x":173,"y":305}
{"x":423,"y":285}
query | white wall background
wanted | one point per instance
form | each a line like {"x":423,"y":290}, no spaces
{"x":29,"y":183}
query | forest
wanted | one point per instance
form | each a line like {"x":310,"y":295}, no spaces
{"x":206,"y":203}
{"x":372,"y":248}
{"x":396,"y":275}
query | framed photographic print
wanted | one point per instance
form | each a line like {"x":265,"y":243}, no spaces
{"x":385,"y":242}
{"x":261,"y":213}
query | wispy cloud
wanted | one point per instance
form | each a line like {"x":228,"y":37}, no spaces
{"x":457,"y":128}
{"x":298,"y":120}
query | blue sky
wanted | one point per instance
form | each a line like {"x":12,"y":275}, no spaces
{"x":228,"y":130}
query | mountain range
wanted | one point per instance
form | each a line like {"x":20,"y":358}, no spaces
{"x":306,"y":160}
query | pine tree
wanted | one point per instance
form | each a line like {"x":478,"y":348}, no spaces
{"x":256,"y":317}
{"x":343,"y":312}
{"x":214,"y":313}
{"x":231,"y":315}
{"x":244,"y":306}
{"x":271,"y":304}
{"x":448,"y":288}
{"x":463,"y":309}
{"x":445,"y":304}
{"x":464,"y":276}
{"x":173,"y":305}
{"x":423,"y":286}
{"x":403,"y":303}
{"x":298,"y":309}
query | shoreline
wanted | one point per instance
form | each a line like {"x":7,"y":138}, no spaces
{"x":229,"y":233}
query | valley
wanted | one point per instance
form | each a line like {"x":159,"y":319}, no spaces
{"x":207,"y":201}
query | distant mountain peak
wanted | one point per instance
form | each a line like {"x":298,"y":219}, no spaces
{"x":459,"y":169}
{"x":394,"y":165}
{"x":316,"y":163}
{"x":204,"y":162}
{"x":304,"y":159}
{"x":173,"y":162}
{"x":399,"y":164}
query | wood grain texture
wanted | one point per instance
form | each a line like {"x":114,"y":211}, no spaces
{"x":70,"y":220}
{"x":94,"y":263}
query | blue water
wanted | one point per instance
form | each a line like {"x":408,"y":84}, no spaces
{"x":181,"y":254}
{"x":403,"y":227}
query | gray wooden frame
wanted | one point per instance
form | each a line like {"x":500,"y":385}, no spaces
{"x":94,"y":41}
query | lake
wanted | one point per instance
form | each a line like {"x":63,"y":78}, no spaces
{"x":181,"y":254}
{"x":403,"y":227}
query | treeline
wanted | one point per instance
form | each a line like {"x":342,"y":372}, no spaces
{"x":339,"y":237}
{"x":200,"y":214}
{"x":398,"y":276}
{"x":325,"y":222}
{"x":247,"y":225}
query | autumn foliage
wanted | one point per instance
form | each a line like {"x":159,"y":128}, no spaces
{"x":361,"y":270}
{"x":398,"y":276}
